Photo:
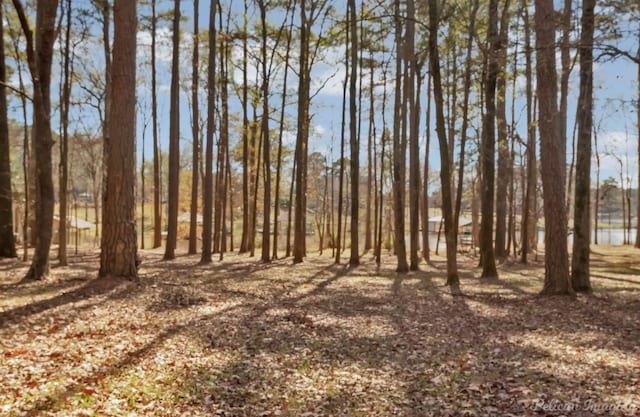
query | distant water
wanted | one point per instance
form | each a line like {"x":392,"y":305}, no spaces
{"x":613,"y":237}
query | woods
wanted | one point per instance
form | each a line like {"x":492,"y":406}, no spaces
{"x":314,"y":207}
{"x":474,"y":105}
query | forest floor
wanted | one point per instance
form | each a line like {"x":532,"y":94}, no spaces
{"x":243,"y":338}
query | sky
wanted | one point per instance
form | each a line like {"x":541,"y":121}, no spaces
{"x":615,"y":89}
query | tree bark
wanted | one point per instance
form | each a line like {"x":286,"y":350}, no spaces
{"x":553,"y":155}
{"x":637,"y":245}
{"x":65,"y":102}
{"x":280,"y":136}
{"x":193,"y":221}
{"x":300,"y":219}
{"x":580,"y":278}
{"x":7,"y":240}
{"x":398,"y":155}
{"x":207,"y":195}
{"x":354,"y":258}
{"x":118,"y":256}
{"x":414,"y":139}
{"x":157,"y":188}
{"x":244,"y":239}
{"x":504,"y":159}
{"x":487,"y":253}
{"x":529,"y":209}
{"x":173,"y":188}
{"x":266,"y":219}
{"x":445,"y":169}
{"x":40,"y":61}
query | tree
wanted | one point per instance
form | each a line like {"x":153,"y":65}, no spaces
{"x":65,"y":103}
{"x":347,"y":62}
{"x":399,"y":174}
{"x":413,"y":118}
{"x":553,"y":155}
{"x":582,"y":209}
{"x":26,"y":157}
{"x":193,"y":223}
{"x":310,"y":11}
{"x":266,"y":146}
{"x":487,"y":153}
{"x":453,"y":279}
{"x":173,"y":188}
{"x":7,"y":241}
{"x":637,"y":245}
{"x":244,"y":240}
{"x":118,"y":256}
{"x":157,"y":203}
{"x":105,"y":10}
{"x":354,"y":259}
{"x":207,"y":194}
{"x":504,"y":158}
{"x":287,"y":55}
{"x":529,"y":207}
{"x":40,"y":58}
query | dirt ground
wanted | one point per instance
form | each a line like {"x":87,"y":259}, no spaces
{"x":243,"y":338}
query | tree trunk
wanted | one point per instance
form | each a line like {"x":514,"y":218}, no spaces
{"x":398,"y":156}
{"x":266,"y":219}
{"x":193,"y":221}
{"x":280,"y":135}
{"x":445,"y":169}
{"x":465,"y":110}
{"x":339,"y":245}
{"x":244,"y":240}
{"x":118,"y":256}
{"x":354,"y":258}
{"x":582,"y":210}
{"x":637,"y":245}
{"x":529,"y":209}
{"x":105,"y":6}
{"x":596,"y":210}
{"x":425,"y":189}
{"x":157,"y":188}
{"x":414,"y":138}
{"x":487,"y":253}
{"x":371,"y":166}
{"x":40,"y":60}
{"x":173,"y":189}
{"x":552,"y":152}
{"x":207,"y":195}
{"x":223,"y":147}
{"x":65,"y":102}
{"x":7,"y":240}
{"x":299,"y":247}
{"x":504,"y":160}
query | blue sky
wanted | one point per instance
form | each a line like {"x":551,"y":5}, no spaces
{"x":615,"y":89}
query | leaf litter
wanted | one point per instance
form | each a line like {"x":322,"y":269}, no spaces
{"x":243,"y":338}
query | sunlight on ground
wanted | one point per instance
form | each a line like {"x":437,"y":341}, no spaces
{"x":243,"y":338}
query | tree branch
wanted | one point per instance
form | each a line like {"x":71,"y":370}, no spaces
{"x":16,"y":90}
